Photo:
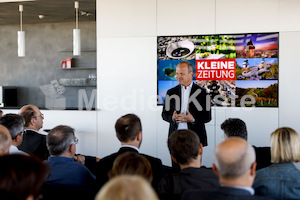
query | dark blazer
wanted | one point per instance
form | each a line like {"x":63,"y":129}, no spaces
{"x":263,"y":157}
{"x":34,"y":144}
{"x":173,"y":185}
{"x":224,"y":193}
{"x":106,"y":163}
{"x":201,"y":116}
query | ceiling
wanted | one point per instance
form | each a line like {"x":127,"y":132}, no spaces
{"x":53,"y":10}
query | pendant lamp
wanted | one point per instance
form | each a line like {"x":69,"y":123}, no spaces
{"x":76,"y":34}
{"x":21,"y":36}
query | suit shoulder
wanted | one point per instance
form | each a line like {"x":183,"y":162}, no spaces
{"x":173,"y":90}
{"x":152,"y":159}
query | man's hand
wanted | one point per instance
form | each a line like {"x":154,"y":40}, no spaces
{"x":79,"y":158}
{"x":183,"y":118}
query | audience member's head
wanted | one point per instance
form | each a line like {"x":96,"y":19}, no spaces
{"x":285,"y":145}
{"x":235,"y":162}
{"x":185,"y":148}
{"x":234,"y":127}
{"x":33,"y":117}
{"x":127,"y":187}
{"x":129,"y":130}
{"x":15,"y":125}
{"x":131,"y":163}
{"x":5,"y":140}
{"x":1,"y":113}
{"x":61,"y":140}
{"x":21,"y":177}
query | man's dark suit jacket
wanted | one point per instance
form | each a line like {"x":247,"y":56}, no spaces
{"x":201,"y":116}
{"x":34,"y":144}
{"x":106,"y":163}
{"x":224,"y":193}
{"x":263,"y":157}
{"x":173,"y":185}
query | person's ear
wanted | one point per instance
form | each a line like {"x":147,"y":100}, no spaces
{"x":174,"y":159}
{"x":72,"y":148}
{"x":32,"y":121}
{"x":214,"y":168}
{"x":200,"y":149}
{"x":139,"y":136}
{"x":253,"y":169}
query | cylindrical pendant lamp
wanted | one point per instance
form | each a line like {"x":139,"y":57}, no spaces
{"x":21,"y":36}
{"x":76,"y":34}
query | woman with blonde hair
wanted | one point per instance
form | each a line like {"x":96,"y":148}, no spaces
{"x":281,"y":179}
{"x":124,"y":187}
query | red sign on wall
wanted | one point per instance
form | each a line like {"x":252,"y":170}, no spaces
{"x":212,"y":69}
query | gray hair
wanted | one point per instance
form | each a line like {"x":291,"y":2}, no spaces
{"x":14,"y":124}
{"x":59,"y":139}
{"x":234,"y":169}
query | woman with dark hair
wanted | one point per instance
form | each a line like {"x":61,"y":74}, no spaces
{"x":131,"y":163}
{"x":21,"y":177}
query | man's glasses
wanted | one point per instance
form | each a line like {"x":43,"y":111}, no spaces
{"x":76,"y":141}
{"x":41,"y":115}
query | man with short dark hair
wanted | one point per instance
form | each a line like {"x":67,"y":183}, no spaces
{"x":235,"y":166}
{"x":237,"y":127}
{"x":234,"y":127}
{"x":34,"y":143}
{"x":129,"y":132}
{"x":15,"y":125}
{"x":186,"y":150}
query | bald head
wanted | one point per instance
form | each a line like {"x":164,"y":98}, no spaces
{"x":33,"y":117}
{"x":234,"y":157}
{"x":5,"y":140}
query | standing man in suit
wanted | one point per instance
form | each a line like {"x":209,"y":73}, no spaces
{"x":186,"y":150}
{"x":129,"y":133}
{"x":187,"y":106}
{"x":235,"y":166}
{"x":33,"y":141}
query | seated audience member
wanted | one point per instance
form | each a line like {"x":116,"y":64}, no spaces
{"x":5,"y":141}
{"x":237,"y":127}
{"x":21,"y":177}
{"x":129,"y":133}
{"x":34,"y":143}
{"x":131,"y":163}
{"x":61,"y":142}
{"x":281,"y":179}
{"x":235,"y":166}
{"x":67,"y":179}
{"x":15,"y":125}
{"x":186,"y":150}
{"x":125,"y":187}
{"x":1,"y":113}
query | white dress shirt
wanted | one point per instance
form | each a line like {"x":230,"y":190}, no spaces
{"x":14,"y":150}
{"x":185,"y":95}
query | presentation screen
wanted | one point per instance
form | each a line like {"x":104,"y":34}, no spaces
{"x":234,"y":69}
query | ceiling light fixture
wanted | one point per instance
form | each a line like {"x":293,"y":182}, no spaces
{"x":21,"y":36}
{"x":76,"y":34}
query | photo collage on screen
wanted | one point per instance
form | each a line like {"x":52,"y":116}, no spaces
{"x":231,"y":67}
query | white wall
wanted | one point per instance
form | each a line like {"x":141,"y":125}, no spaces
{"x":126,"y":32}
